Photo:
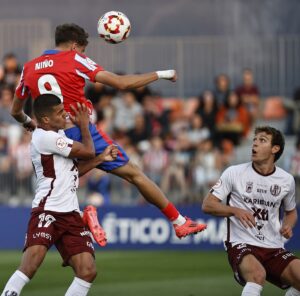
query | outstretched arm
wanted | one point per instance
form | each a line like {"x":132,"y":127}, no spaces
{"x":124,"y":82}
{"x":213,"y":206}
{"x":109,"y":154}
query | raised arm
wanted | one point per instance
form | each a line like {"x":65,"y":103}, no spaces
{"x":124,"y":82}
{"x":17,"y":111}
{"x":84,"y":150}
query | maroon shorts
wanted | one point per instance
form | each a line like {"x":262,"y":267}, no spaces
{"x":273,"y":260}
{"x":64,"y":230}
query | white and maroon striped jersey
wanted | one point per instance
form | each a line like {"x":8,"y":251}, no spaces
{"x":243,"y":187}
{"x":57,"y":175}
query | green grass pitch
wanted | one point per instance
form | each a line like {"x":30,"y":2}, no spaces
{"x":137,"y":273}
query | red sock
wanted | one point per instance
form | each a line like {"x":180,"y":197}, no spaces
{"x":170,"y":212}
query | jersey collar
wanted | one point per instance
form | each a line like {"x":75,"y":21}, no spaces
{"x":51,"y":51}
{"x":271,"y":173}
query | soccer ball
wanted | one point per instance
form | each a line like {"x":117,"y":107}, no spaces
{"x":114,"y":27}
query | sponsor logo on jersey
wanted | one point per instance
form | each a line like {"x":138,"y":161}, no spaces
{"x":249,"y":187}
{"x":275,"y":190}
{"x":259,"y":190}
{"x":259,"y":226}
{"x":257,"y":201}
{"x":61,"y":143}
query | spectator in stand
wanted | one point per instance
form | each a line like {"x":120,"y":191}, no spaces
{"x":10,"y":71}
{"x":9,"y":127}
{"x":294,"y":168}
{"x":155,"y":117}
{"x":207,"y":109}
{"x":174,"y":180}
{"x":142,"y":92}
{"x":207,"y":166}
{"x":249,"y":94}
{"x":95,"y":91}
{"x":141,"y":130}
{"x":233,"y":120}
{"x":156,"y":160}
{"x":23,"y":169}
{"x":98,"y":188}
{"x":104,"y":112}
{"x":6,"y":174}
{"x":222,"y":89}
{"x":126,"y":109}
{"x":197,"y":132}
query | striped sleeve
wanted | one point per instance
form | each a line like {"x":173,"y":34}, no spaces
{"x":85,"y":67}
{"x":22,"y":91}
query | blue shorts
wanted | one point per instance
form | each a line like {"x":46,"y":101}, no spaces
{"x":101,"y":141}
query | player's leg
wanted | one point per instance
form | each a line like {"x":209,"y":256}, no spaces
{"x":31,"y":260}
{"x":84,"y":268}
{"x":123,"y":168}
{"x":248,"y":271}
{"x":76,"y":248}
{"x":291,"y":276}
{"x":254,"y":275}
{"x":133,"y":174}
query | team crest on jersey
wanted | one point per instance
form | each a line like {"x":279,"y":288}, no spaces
{"x":61,"y":143}
{"x":275,"y":190}
{"x":249,"y":187}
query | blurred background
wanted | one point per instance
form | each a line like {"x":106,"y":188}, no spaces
{"x":239,"y":67}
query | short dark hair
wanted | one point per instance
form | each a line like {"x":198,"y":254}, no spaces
{"x":70,"y":32}
{"x":277,"y":138}
{"x":43,"y":105}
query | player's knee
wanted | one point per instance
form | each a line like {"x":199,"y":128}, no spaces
{"x":134,"y":175}
{"x":87,"y":273}
{"x":259,"y":276}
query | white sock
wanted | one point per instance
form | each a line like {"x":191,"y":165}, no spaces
{"x":251,"y":289}
{"x":292,"y":292}
{"x":78,"y":287}
{"x":15,"y":284}
{"x":180,"y":220}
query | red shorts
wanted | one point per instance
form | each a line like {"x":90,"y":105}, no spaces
{"x":273,"y":260}
{"x":64,"y":230}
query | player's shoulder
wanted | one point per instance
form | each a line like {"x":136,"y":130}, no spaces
{"x":284,"y":175}
{"x":237,"y":169}
{"x":41,"y":136}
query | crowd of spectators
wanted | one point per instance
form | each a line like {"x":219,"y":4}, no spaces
{"x":182,"y":144}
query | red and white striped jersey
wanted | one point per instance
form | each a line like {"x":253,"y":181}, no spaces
{"x":243,"y":187}
{"x":57,"y":175}
{"x":62,"y":73}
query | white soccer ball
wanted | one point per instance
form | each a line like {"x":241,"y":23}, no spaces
{"x":114,"y":27}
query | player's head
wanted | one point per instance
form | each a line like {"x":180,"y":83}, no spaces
{"x":267,"y":141}
{"x":49,"y":112}
{"x":71,"y":35}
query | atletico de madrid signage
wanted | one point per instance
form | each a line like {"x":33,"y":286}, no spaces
{"x":134,"y":228}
